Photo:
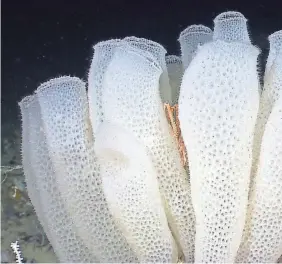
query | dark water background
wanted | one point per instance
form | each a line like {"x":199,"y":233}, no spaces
{"x":44,"y":39}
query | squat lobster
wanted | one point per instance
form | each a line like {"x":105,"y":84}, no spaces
{"x":172,"y":117}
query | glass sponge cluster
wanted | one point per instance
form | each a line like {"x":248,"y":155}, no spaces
{"x":161,"y":158}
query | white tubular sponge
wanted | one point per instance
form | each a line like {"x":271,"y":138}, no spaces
{"x":218,"y":106}
{"x":275,"y":44}
{"x":175,"y":73}
{"x":270,"y":93}
{"x":159,"y":52}
{"x":64,"y":107}
{"x":42,"y":188}
{"x":103,"y":52}
{"x":231,"y":27}
{"x":131,"y":188}
{"x":132,"y":100}
{"x":262,"y":240}
{"x":190,"y":39}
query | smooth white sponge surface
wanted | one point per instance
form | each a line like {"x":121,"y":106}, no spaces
{"x":218,"y":106}
{"x":131,"y":188}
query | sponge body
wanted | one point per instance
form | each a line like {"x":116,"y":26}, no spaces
{"x":64,"y":109}
{"x":131,"y":187}
{"x":132,"y":100}
{"x":218,"y":105}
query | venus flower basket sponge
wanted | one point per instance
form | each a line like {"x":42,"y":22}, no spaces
{"x":159,"y":158}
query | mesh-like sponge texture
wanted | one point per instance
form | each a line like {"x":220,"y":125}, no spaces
{"x":159,"y":52}
{"x":275,"y":44}
{"x":175,"y":73}
{"x":64,"y":109}
{"x":262,"y":239}
{"x":218,"y":106}
{"x":103,"y":52}
{"x":190,"y":39}
{"x":270,"y":94}
{"x":131,"y":188}
{"x":27,"y":110}
{"x":232,"y":27}
{"x":42,"y":188}
{"x":132,"y":100}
